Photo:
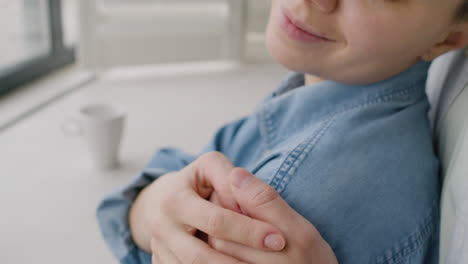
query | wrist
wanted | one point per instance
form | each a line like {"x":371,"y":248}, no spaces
{"x":138,"y":220}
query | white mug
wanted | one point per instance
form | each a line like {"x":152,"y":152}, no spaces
{"x":102,"y":127}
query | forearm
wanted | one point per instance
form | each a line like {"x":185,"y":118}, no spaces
{"x":143,"y":211}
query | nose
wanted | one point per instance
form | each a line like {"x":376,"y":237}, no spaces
{"x":326,"y":6}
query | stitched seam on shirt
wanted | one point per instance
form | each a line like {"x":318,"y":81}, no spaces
{"x":287,"y":169}
{"x":383,"y":98}
{"x":404,"y":91}
{"x":375,"y":99}
{"x":295,"y":157}
{"x":406,"y":88}
{"x":414,"y":242}
{"x":264,"y":128}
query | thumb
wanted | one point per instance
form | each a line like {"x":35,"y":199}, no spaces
{"x":260,"y":201}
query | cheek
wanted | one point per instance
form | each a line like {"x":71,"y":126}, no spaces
{"x":370,"y":35}
{"x":386,"y":34}
{"x":378,"y":29}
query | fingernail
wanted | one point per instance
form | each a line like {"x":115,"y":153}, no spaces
{"x":275,"y":242}
{"x":241,"y":178}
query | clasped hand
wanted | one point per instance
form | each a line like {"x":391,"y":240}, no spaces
{"x":244,"y":219}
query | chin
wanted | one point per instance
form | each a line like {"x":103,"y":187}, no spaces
{"x":282,"y":55}
{"x":288,"y":59}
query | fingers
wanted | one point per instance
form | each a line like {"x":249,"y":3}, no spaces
{"x":261,"y":201}
{"x":155,"y":260}
{"x":189,"y":249}
{"x":215,"y":199}
{"x":244,"y":253}
{"x":212,"y":170}
{"x":228,"y":225}
{"x":161,"y":254}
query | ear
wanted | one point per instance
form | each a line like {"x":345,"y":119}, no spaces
{"x":456,"y":39}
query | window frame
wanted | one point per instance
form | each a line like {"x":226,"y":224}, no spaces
{"x":34,"y":68}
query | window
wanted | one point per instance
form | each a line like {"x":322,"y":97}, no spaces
{"x":31,"y":41}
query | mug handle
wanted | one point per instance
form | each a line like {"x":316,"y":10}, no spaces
{"x":72,"y":127}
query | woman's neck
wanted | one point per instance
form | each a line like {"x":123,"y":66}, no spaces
{"x":311,"y":79}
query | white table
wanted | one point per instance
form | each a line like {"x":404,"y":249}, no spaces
{"x":48,"y":192}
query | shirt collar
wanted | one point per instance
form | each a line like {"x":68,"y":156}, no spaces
{"x":401,"y":80}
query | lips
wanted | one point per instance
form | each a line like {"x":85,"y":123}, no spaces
{"x":297,"y":30}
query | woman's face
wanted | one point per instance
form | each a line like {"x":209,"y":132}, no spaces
{"x":362,"y":41}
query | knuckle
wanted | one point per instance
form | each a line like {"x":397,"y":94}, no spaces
{"x":214,"y":156}
{"x":168,"y":202}
{"x":216,"y":223}
{"x":249,"y":230}
{"x":217,"y":244}
{"x":264,"y":197}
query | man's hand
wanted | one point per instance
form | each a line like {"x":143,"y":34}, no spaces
{"x":259,"y":201}
{"x":166,"y":215}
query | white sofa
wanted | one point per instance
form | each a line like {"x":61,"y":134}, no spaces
{"x":450,"y":115}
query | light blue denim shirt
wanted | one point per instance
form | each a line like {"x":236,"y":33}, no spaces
{"x":356,"y":161}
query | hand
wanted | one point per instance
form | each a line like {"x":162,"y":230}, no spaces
{"x":259,"y":201}
{"x":167,"y":214}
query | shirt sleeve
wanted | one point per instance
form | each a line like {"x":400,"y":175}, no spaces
{"x":112,"y":211}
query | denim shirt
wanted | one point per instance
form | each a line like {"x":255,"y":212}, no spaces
{"x":356,"y":161}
